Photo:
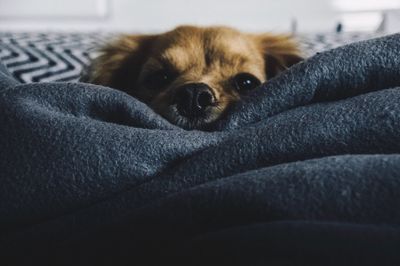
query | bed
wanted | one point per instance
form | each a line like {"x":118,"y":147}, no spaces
{"x":305,"y":171}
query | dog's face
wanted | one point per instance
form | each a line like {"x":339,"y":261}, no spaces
{"x":191,"y":75}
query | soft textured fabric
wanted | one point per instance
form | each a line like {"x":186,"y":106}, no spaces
{"x":304,"y":171}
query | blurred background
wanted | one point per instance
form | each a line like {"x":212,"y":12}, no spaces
{"x":156,"y":15}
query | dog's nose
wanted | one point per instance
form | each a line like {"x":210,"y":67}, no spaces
{"x":192,"y":99}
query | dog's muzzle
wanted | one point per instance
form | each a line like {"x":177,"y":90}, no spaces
{"x":192,"y":100}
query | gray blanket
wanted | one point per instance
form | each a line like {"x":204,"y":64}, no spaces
{"x":305,"y":171}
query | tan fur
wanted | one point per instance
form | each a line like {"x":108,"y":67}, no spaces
{"x":210,"y":55}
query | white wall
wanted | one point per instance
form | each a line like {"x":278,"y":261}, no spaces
{"x":156,"y":15}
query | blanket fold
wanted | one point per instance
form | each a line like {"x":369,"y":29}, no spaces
{"x":304,"y":171}
{"x":339,"y":73}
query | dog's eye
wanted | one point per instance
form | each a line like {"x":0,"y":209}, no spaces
{"x":158,"y":79}
{"x":245,"y":82}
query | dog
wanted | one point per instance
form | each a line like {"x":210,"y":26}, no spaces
{"x":192,"y":75}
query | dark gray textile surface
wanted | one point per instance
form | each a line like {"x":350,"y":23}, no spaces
{"x":305,"y":171}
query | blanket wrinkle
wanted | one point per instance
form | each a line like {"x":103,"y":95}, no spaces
{"x":307,"y":164}
{"x":325,"y":77}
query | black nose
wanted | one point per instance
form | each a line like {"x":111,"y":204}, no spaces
{"x":192,"y":99}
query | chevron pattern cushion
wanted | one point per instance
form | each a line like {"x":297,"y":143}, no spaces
{"x":46,"y":57}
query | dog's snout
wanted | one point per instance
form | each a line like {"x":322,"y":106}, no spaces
{"x":192,"y":99}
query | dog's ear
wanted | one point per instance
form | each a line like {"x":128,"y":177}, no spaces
{"x":119,"y":62}
{"x":279,"y":51}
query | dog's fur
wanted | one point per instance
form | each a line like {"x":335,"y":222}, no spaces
{"x":155,"y":68}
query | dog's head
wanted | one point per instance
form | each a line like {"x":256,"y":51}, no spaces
{"x":191,"y":75}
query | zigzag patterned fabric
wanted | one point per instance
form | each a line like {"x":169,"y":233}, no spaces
{"x":46,"y":57}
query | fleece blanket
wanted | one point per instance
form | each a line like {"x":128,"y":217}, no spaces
{"x":304,"y":171}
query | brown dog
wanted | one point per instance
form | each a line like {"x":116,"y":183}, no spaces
{"x":190,"y":75}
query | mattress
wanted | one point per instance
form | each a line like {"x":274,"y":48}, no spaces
{"x":47,"y":57}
